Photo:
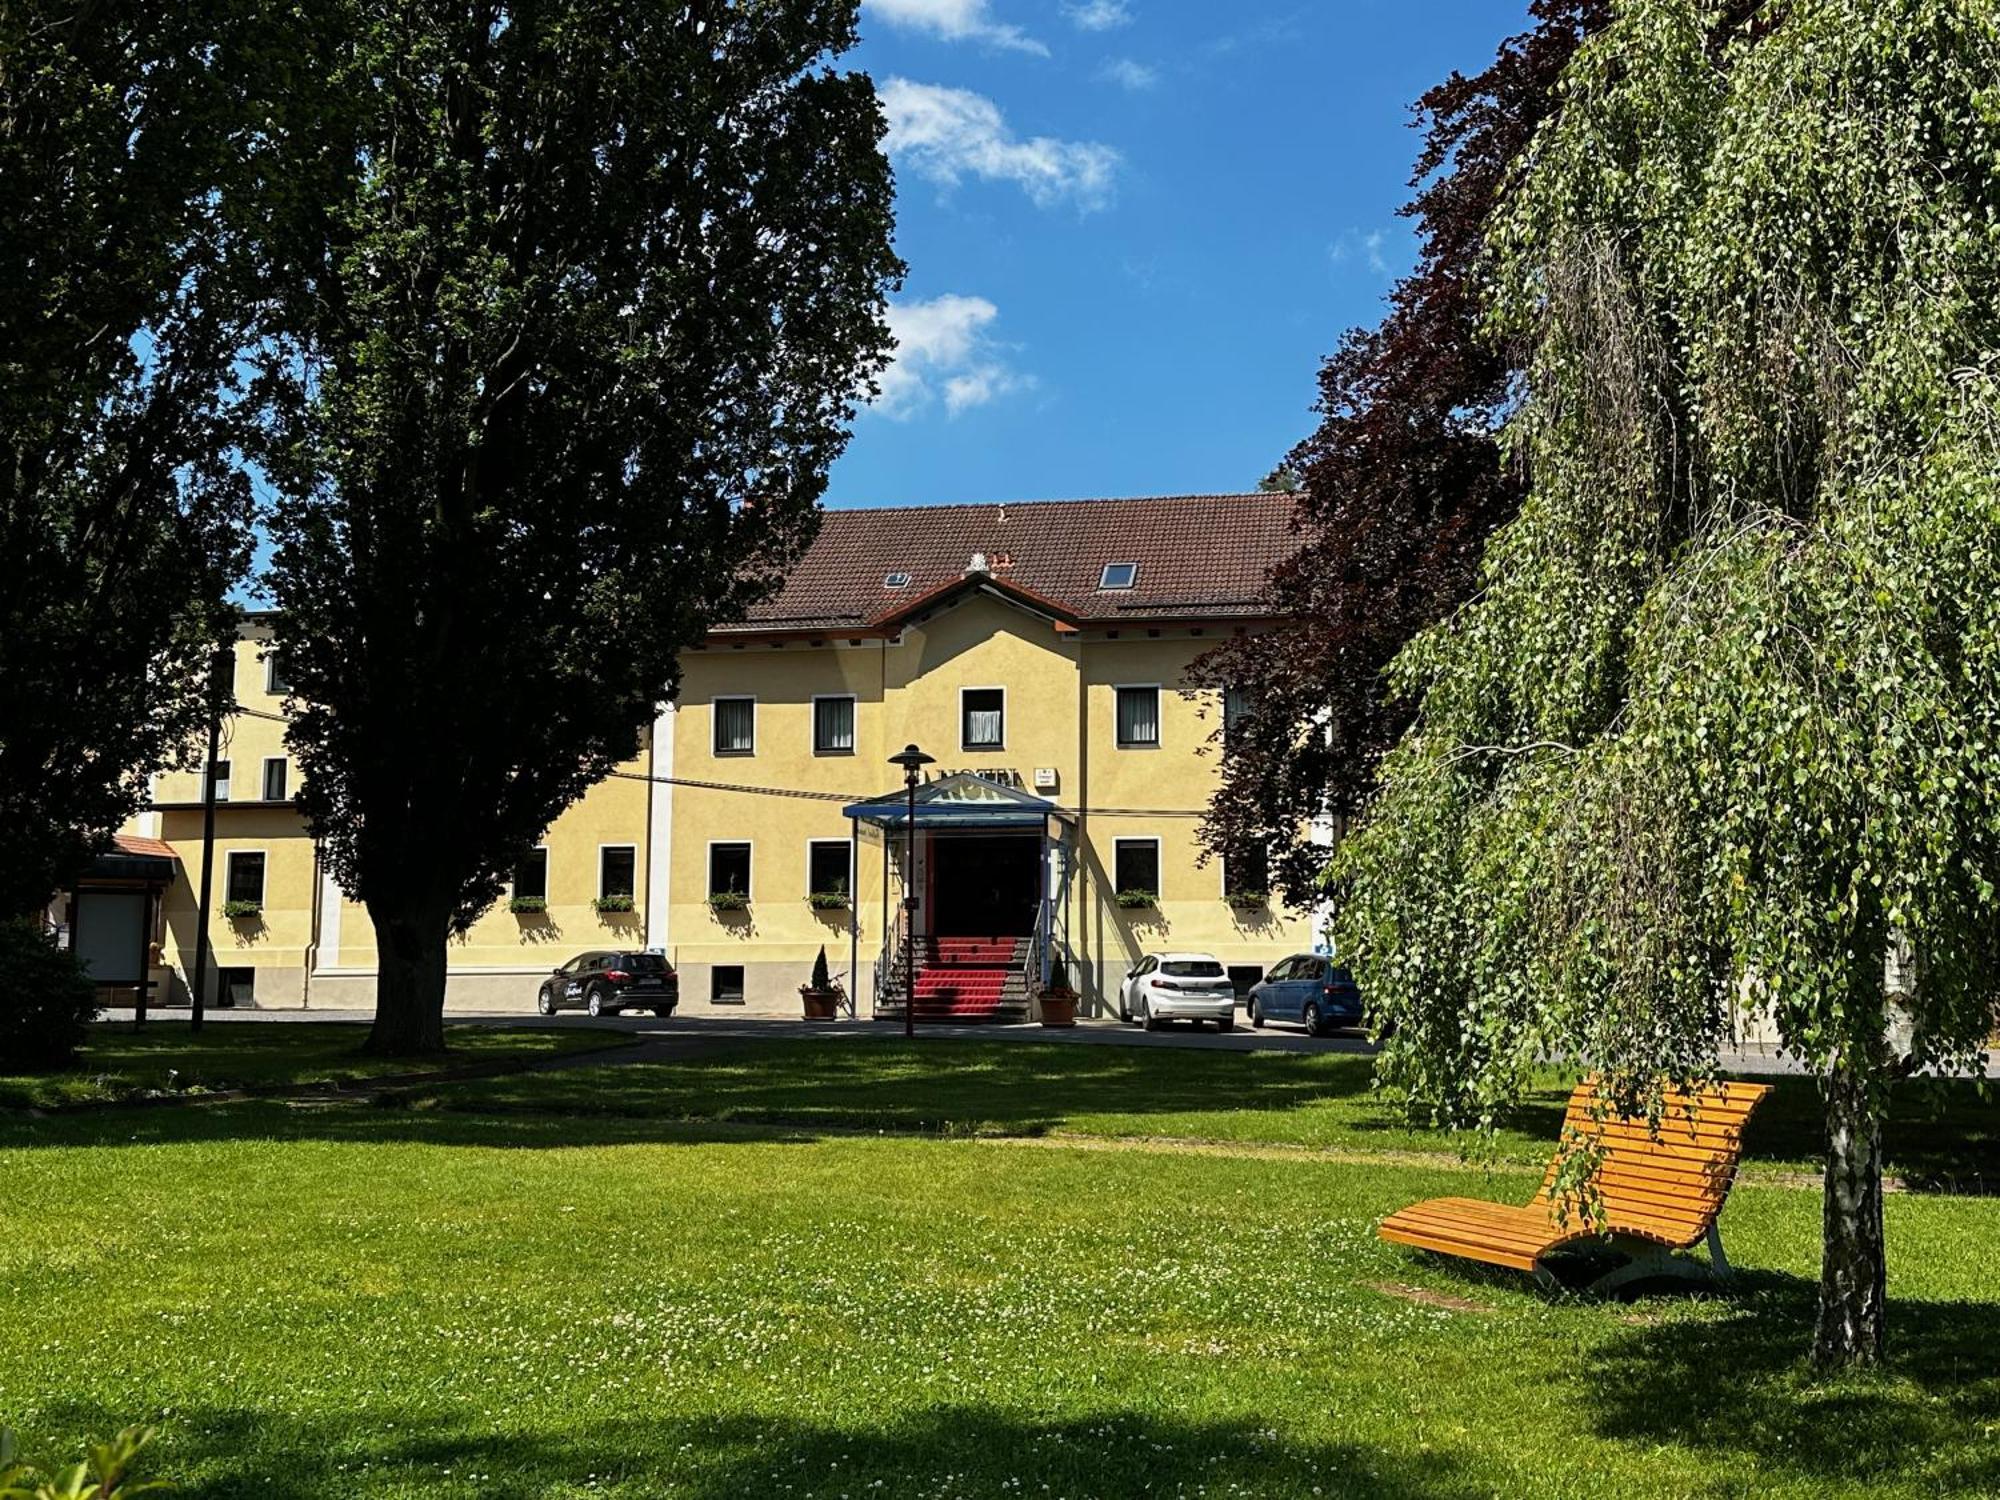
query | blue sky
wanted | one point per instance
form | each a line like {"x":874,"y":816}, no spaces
{"x":1134,"y":228}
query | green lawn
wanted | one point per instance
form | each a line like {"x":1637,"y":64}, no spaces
{"x":1938,"y":1136}
{"x":338,"y":1300}
{"x":119,"y":1062}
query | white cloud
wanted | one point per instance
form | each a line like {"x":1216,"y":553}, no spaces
{"x":1367,"y":248}
{"x":945,"y":133}
{"x":1135,"y":77}
{"x":1099,"y":15}
{"x":956,"y":21}
{"x":943,"y":350}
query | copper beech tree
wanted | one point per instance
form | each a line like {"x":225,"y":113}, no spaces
{"x":1399,"y":487}
{"x":591,"y":301}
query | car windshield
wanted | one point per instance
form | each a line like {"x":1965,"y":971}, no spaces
{"x":1192,"y":968}
{"x":642,"y":963}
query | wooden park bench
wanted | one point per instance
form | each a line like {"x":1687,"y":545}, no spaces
{"x":1656,"y":1194}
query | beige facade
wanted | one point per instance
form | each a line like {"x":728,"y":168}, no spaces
{"x":1084,"y":715}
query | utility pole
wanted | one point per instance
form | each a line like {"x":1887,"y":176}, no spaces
{"x":220,"y":668}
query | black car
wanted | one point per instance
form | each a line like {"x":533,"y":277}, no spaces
{"x":606,"y":983}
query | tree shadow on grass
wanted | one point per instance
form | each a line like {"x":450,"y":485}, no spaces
{"x":1740,"y":1383}
{"x":964,"y":1450}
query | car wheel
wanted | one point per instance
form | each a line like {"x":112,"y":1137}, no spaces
{"x":1146,"y":1017}
{"x":1124,"y":1011}
{"x":1256,"y":1015}
{"x":663,"y":1011}
{"x":545,"y":1002}
{"x":595,"y":1005}
{"x":1228,"y":1025}
{"x":1312,"y":1020}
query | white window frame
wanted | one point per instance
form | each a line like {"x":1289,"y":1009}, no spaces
{"x":548,"y":871}
{"x":265,"y":789}
{"x":1158,"y":690}
{"x":1222,"y":869}
{"x":983,"y":749}
{"x":708,"y":867}
{"x":1103,"y":573}
{"x":271,"y":673}
{"x":848,"y":867}
{"x":1159,"y":862}
{"x":853,"y":701}
{"x":634,"y":892}
{"x":229,"y":874}
{"x":715,"y":726}
{"x":224,"y":785}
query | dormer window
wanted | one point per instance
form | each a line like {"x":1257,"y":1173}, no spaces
{"x":896,"y":581}
{"x":1119,"y":576}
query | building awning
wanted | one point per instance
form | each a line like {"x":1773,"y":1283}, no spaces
{"x":132,"y":858}
{"x":962,"y":800}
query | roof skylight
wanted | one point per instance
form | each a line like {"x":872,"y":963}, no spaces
{"x":896,"y":581}
{"x":1119,"y":576}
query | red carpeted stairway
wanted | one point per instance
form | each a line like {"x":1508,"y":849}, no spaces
{"x":971,"y":979}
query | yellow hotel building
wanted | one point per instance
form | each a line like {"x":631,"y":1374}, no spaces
{"x":1038,"y":652}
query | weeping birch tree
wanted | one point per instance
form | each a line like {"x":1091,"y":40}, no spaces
{"x":1720,"y":737}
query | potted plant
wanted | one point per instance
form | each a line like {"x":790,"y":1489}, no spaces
{"x":607,"y":905}
{"x":728,"y":901}
{"x":240,"y":911}
{"x":1057,"y":1001}
{"x":1248,"y":900}
{"x":822,"y":1000}
{"x":528,"y":906}
{"x":828,"y":901}
{"x":1135,"y":899}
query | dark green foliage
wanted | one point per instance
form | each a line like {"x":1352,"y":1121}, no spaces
{"x":46,"y":1001}
{"x":135,"y":192}
{"x":594,"y":295}
{"x":820,"y":979}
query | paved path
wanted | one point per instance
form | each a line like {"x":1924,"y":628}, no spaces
{"x":672,"y":1036}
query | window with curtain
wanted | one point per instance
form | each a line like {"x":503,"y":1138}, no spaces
{"x":218,"y":776}
{"x":735,"y":726}
{"x":274,"y":779}
{"x":833,"y":726}
{"x":1138,"y":716}
{"x":1235,"y":708}
{"x":985,"y":712}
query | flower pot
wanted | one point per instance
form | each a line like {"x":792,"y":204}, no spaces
{"x":1058,"y":1008}
{"x":821,"y":1005}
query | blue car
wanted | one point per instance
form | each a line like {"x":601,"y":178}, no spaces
{"x":1309,"y":990}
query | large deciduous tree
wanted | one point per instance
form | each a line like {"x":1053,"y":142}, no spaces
{"x":1719,"y":735}
{"x":1399,"y":487}
{"x":595,"y":306}
{"x":132,"y":146}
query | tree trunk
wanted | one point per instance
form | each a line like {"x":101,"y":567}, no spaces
{"x":409,"y":983}
{"x":1853,"y":1256}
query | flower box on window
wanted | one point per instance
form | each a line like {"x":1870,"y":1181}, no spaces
{"x":1135,"y":899}
{"x":1248,"y":900}
{"x":238,"y":910}
{"x":528,"y":906}
{"x":728,"y":901}
{"x":608,"y":904}
{"x":828,"y":901}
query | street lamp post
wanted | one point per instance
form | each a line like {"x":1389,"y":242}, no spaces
{"x":911,"y":760}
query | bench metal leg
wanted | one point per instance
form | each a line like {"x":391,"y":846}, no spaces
{"x":1646,"y":1261}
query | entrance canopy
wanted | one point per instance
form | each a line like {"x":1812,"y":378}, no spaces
{"x":963,"y":800}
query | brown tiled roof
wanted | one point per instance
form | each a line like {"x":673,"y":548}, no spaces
{"x":1199,"y":557}
{"x":132,"y":843}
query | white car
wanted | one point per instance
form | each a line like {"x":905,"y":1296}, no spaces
{"x":1164,"y":987}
